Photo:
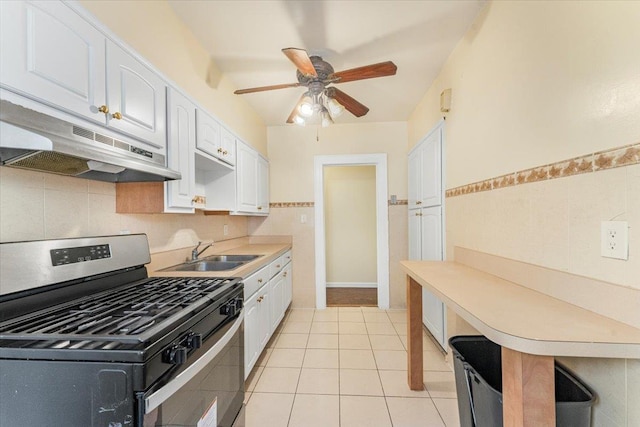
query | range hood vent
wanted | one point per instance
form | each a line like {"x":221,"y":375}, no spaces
{"x":35,"y":141}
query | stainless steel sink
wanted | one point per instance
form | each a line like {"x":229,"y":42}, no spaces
{"x":214,"y":263}
{"x":231,"y":258}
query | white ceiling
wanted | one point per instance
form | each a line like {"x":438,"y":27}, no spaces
{"x":245,"y":39}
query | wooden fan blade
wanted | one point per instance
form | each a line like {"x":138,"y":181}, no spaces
{"x":301,"y":60}
{"x":381,"y":69}
{"x":265,"y":88}
{"x":350,"y":104}
{"x":292,"y":115}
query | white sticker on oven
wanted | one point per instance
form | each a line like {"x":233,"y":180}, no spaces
{"x":210,"y":417}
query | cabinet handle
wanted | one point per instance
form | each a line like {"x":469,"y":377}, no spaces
{"x":419,"y":202}
{"x":278,"y":266}
{"x":117,"y":115}
{"x":219,"y":150}
{"x":260,"y":299}
{"x":259,"y":280}
{"x":259,"y":208}
{"x":285,"y":274}
{"x":103,"y":109}
{"x":225,"y":152}
{"x":418,"y":214}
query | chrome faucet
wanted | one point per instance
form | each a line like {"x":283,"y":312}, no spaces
{"x":195,"y":253}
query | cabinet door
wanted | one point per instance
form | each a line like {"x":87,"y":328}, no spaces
{"x":247,"y":178}
{"x":415,"y":178}
{"x":251,"y":334}
{"x":433,"y":311}
{"x":277,"y":300}
{"x":181,"y":118}
{"x":431,"y":233}
{"x":288,"y":286}
{"x":208,"y":136}
{"x":415,"y":235}
{"x":227,"y":146}
{"x":264,"y":314}
{"x":263,"y":185}
{"x":49,"y":53}
{"x":137,"y":102}
{"x":432,"y":169}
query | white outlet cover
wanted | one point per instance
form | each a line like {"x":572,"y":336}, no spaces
{"x":614,"y":239}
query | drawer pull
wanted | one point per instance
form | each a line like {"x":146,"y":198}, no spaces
{"x":259,"y":280}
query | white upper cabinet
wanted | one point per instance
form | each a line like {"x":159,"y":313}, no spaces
{"x":137,"y":102}
{"x":208,"y":139}
{"x":263,"y":185}
{"x":425,"y":172}
{"x":227,"y":146}
{"x":49,"y":53}
{"x":247,"y":178}
{"x":252,"y":178}
{"x":181,"y":118}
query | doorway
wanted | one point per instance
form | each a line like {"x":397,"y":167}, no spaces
{"x":350,"y":235}
{"x":379,"y":162}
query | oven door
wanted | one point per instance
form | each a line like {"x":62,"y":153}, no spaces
{"x":209,"y":392}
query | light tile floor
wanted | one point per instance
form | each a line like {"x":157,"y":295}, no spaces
{"x":347,"y":367}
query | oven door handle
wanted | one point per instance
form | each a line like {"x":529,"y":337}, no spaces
{"x":157,"y":398}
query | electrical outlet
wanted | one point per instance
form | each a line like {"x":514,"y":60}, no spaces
{"x":225,"y":230}
{"x":303,"y":219}
{"x":614,"y":239}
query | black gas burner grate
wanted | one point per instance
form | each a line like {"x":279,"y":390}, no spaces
{"x":129,"y":314}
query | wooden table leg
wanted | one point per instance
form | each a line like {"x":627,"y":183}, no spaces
{"x":414,"y":334}
{"x":528,"y":389}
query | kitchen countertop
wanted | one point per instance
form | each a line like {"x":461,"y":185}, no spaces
{"x":523,"y":319}
{"x":531,"y":328}
{"x":267,"y":251}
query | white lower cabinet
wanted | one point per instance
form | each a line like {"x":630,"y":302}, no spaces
{"x":268,"y":294}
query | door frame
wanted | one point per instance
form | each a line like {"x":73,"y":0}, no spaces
{"x":382,"y":221}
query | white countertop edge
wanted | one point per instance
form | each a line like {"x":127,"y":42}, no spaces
{"x":531,"y":345}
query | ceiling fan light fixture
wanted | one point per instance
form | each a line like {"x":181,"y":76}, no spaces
{"x":335,"y":108}
{"x":306,"y":106}
{"x":299,"y":120}
{"x":325,"y":119}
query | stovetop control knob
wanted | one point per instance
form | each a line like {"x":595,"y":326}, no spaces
{"x":228,"y":309}
{"x":176,"y":355}
{"x":239,"y":304}
{"x":194,"y":340}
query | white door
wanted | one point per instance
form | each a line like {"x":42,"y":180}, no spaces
{"x":277,"y":300}
{"x":49,"y":53}
{"x":415,"y":234}
{"x":431,"y":242}
{"x":251,"y":334}
{"x":415,"y":178}
{"x":431,"y":191}
{"x":137,"y":99}
{"x":181,"y":117}
{"x":208,"y":135}
{"x":227,"y":146}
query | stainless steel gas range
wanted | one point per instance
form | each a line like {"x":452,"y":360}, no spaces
{"x":87,"y":339}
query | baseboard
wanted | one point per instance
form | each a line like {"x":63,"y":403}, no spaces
{"x":351,"y":285}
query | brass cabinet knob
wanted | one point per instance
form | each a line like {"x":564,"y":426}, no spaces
{"x":285,"y":274}
{"x":225,"y":152}
{"x":278,"y":266}
{"x":418,"y":214}
{"x":220,"y":150}
{"x":117,"y":115}
{"x":259,"y":280}
{"x":419,"y":202}
{"x":103,"y":109}
{"x":260,"y":299}
{"x":259,"y":208}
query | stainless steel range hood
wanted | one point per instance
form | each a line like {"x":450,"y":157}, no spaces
{"x":35,"y":141}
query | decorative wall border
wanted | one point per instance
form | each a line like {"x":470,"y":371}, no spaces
{"x":601,"y":160}
{"x":312,"y":204}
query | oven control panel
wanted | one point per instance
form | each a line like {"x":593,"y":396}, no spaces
{"x":79,"y":254}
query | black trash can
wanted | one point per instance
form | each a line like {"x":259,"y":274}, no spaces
{"x":477,"y":366}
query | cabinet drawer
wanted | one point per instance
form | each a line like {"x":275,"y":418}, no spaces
{"x":276,"y":266}
{"x":255,"y":281}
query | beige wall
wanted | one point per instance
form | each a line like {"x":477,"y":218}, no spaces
{"x":291,"y":153}
{"x":536,"y":83}
{"x":155,"y":32}
{"x":350,"y":224}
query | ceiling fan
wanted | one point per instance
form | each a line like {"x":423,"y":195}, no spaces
{"x":321,"y":100}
